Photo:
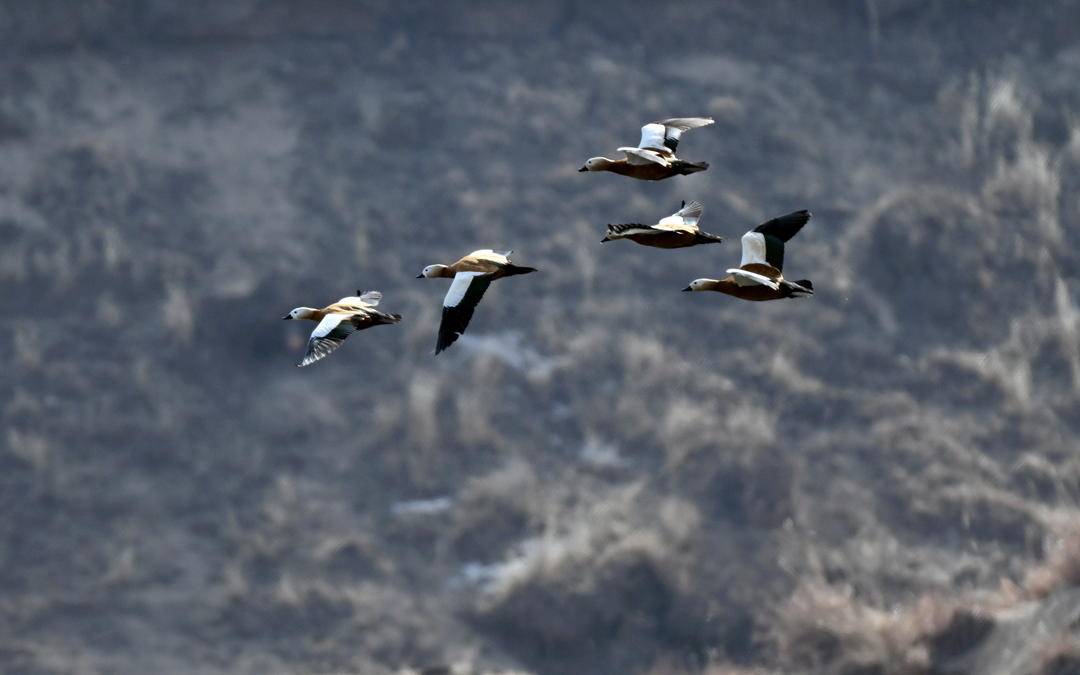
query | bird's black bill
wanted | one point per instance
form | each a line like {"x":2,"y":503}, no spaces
{"x":286,"y":317}
{"x":687,"y":289}
{"x":420,"y":276}
{"x":604,"y":239}
{"x":584,"y":168}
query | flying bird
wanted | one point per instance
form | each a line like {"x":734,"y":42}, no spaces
{"x":760,"y":274}
{"x":340,"y":320}
{"x":678,"y":230}
{"x":472,"y":275}
{"x":654,"y":157}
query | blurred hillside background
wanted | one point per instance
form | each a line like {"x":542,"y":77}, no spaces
{"x":605,"y":475}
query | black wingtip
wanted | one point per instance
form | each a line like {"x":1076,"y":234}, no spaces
{"x":444,"y":342}
{"x":786,"y":226}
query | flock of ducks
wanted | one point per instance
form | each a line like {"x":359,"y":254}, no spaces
{"x":758,"y":277}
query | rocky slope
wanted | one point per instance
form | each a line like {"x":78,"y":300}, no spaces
{"x":604,"y":475}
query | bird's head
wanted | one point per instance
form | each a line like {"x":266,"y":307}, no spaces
{"x":433,"y":271}
{"x":698,"y":285}
{"x":299,"y":313}
{"x":595,"y":164}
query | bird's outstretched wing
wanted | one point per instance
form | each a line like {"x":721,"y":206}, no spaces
{"x":360,"y":300}
{"x":370,"y":297}
{"x":686,"y":218}
{"x":328,"y":335}
{"x":644,"y":156}
{"x":464,"y":295}
{"x":671,"y":130}
{"x":748,"y":278}
{"x":765,"y":243}
{"x":785,"y":227}
{"x":500,"y":257}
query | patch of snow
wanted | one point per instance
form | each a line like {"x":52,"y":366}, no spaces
{"x":422,"y":507}
{"x":509,"y":348}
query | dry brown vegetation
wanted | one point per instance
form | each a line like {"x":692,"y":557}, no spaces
{"x":604,"y":475}
{"x":1059,"y":569}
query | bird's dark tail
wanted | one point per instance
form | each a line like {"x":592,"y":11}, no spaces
{"x":511,"y":270}
{"x":686,"y":168}
{"x":801,"y":287}
{"x":706,"y":238}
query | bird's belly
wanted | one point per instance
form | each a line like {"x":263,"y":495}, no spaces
{"x":650,"y":171}
{"x":755,"y":293}
{"x":663,"y":239}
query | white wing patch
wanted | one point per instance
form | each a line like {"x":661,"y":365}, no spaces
{"x":329,"y":323}
{"x":670,"y":131}
{"x":745,"y":278}
{"x":672,"y":224}
{"x":685,"y":218}
{"x":327,"y":336}
{"x":458,"y":288}
{"x":753,"y":248}
{"x":370,"y":298}
{"x":652,"y":136}
{"x":500,"y":257}
{"x":681,"y":124}
{"x":643,"y":156}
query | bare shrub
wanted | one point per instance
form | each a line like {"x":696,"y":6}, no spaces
{"x":993,"y":117}
{"x":30,"y":448}
{"x":672,"y":665}
{"x":828,"y":628}
{"x":178,"y":313}
{"x":1059,"y":569}
{"x":122,"y":567}
{"x":605,"y":567}
{"x":30,"y":344}
{"x":1061,"y":657}
{"x":477,"y":406}
{"x":423,"y":396}
{"x":495,"y":510}
{"x":1025,"y":185}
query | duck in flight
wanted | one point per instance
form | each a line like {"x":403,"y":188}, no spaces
{"x":760,"y":274}
{"x":340,"y":320}
{"x":678,"y":230}
{"x":472,"y":275}
{"x":654,"y":157}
